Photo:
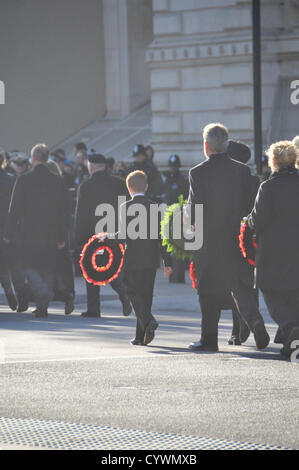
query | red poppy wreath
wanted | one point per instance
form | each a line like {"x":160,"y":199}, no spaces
{"x":247,"y":243}
{"x":101,"y":260}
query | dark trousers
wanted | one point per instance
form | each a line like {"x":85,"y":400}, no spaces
{"x":93,"y":293}
{"x":40,"y":281}
{"x":140,"y":288}
{"x":64,"y":276}
{"x":237,"y":319}
{"x":5,"y":279}
{"x":18,"y":276}
{"x":236,"y":322}
{"x":246,"y":303}
{"x":283,"y":306}
{"x":178,"y":271}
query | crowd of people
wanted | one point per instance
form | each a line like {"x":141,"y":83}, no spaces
{"x":48,"y":207}
{"x":74,"y":172}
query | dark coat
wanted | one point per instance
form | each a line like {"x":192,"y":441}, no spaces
{"x":223,"y":186}
{"x":154,"y":178}
{"x":100,"y":188}
{"x":6,"y":186}
{"x":275,"y":218}
{"x":38,"y":218}
{"x":142,"y":253}
{"x":175,"y":184}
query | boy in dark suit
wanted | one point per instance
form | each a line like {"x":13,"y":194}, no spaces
{"x":141,"y":257}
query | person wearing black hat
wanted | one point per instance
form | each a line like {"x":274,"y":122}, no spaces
{"x":110,"y":164}
{"x":175,"y":184}
{"x":100,"y":188}
{"x":240,"y":331}
{"x":18,"y":163}
{"x":143,"y":163}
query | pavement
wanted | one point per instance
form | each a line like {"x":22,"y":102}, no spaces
{"x":74,"y":383}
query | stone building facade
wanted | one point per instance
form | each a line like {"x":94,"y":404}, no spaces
{"x":67,"y":64}
{"x":201,"y":71}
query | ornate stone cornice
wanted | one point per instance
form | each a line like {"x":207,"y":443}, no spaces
{"x":203,"y":51}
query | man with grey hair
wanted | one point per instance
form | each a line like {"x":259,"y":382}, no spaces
{"x":37,"y":222}
{"x":223,"y":186}
{"x":216,"y":136}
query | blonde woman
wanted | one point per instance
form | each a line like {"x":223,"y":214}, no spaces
{"x":295,"y":141}
{"x":275,"y":218}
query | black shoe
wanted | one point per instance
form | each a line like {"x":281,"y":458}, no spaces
{"x":69,"y":304}
{"x":288,"y":347}
{"x":11,"y":299}
{"x":244,"y":331}
{"x":150,"y":332}
{"x":198,"y":346}
{"x":234,"y":341}
{"x":279,"y":337}
{"x":41,"y":313}
{"x":22,"y":307}
{"x":127,"y":306}
{"x":136,"y":342}
{"x":90,"y":315}
{"x":261,"y":336}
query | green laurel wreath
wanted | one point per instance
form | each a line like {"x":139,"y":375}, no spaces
{"x":173,"y":246}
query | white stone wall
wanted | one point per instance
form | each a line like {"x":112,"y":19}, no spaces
{"x":201,"y":70}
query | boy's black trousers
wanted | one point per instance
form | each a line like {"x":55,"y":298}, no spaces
{"x":139,"y":285}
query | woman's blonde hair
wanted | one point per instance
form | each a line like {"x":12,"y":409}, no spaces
{"x":282,"y":154}
{"x":296,"y":142}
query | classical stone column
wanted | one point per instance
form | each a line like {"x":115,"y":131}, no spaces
{"x":116,"y":58}
{"x":128,"y":31}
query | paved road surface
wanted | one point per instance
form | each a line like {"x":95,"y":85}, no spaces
{"x":71,"y":382}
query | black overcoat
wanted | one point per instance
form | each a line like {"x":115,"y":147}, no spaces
{"x":224,"y":188}
{"x":100,"y":188}
{"x":142,"y":252}
{"x":6,"y":186}
{"x":275,"y":217}
{"x":38,"y":216}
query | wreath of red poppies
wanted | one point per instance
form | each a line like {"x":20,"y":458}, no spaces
{"x":101,"y":260}
{"x":247,"y":243}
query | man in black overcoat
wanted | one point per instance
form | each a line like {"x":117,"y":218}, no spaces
{"x":37,"y":215}
{"x":6,"y":187}
{"x":100,"y":188}
{"x":223,"y":187}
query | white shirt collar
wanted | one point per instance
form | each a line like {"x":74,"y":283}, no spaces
{"x":137,"y":194}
